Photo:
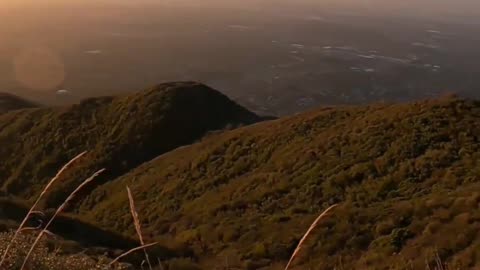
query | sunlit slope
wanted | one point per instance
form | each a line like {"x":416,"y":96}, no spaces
{"x":406,"y":176}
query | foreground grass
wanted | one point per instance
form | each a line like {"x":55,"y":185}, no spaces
{"x":39,"y":257}
{"x":44,"y":256}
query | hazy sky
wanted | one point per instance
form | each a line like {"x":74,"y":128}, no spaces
{"x":406,"y":7}
{"x":59,"y":32}
{"x":458,"y":6}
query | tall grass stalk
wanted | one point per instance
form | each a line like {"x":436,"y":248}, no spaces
{"x":59,"y":210}
{"x":131,"y":251}
{"x":138,"y":227}
{"x":313,"y":226}
{"x":32,"y":209}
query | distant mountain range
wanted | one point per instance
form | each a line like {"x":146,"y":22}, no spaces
{"x":215,"y":182}
{"x":9,"y":102}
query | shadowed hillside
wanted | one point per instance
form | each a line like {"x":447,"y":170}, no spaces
{"x":407,"y":178}
{"x":119,"y":132}
{"x":10,"y":102}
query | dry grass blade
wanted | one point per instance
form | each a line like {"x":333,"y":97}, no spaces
{"x":160,"y":265}
{"x":440,"y":265}
{"x":138,"y":227}
{"x":30,"y":229}
{"x":40,"y":213}
{"x":314,"y":224}
{"x":59,"y":210}
{"x":32,"y":209}
{"x":131,"y":251}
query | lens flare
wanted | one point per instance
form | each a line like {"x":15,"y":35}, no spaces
{"x":39,"y":69}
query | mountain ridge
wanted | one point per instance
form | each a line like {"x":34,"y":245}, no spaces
{"x":253,"y":191}
{"x":10,"y":102}
{"x":120,"y":133}
{"x":405,"y":175}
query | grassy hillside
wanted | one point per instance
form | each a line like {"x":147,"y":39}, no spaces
{"x":119,"y":132}
{"x":10,"y":102}
{"x":406,"y":176}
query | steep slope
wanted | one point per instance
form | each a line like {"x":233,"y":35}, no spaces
{"x":406,"y":176}
{"x":10,"y":102}
{"x":119,"y":132}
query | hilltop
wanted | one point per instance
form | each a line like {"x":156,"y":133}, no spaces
{"x":405,"y":175}
{"x":9,"y":102}
{"x":119,"y":132}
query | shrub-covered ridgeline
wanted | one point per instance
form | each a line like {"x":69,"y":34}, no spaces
{"x":9,"y":102}
{"x":119,"y":132}
{"x":405,"y":176}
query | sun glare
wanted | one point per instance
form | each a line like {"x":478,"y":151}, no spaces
{"x":39,"y":69}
